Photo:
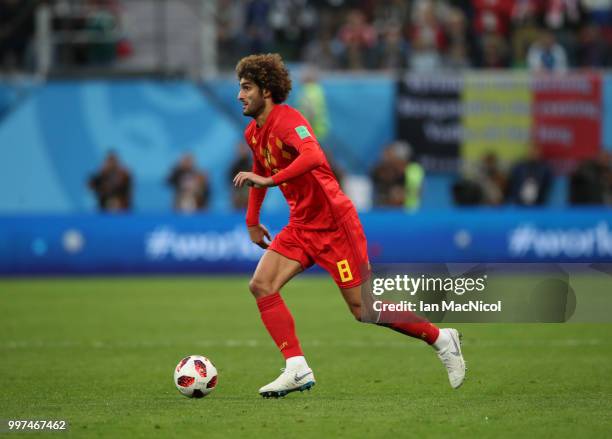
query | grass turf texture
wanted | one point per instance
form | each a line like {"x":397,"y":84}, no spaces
{"x":100,"y":353}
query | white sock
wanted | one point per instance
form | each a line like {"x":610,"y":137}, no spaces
{"x":442,"y":341}
{"x":296,"y":363}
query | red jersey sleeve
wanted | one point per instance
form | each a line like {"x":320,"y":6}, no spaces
{"x":297,"y":133}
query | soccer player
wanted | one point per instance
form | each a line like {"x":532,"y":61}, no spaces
{"x":323,"y":227}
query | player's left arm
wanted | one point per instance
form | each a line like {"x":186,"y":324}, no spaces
{"x":310,"y":155}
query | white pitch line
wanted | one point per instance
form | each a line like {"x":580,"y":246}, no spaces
{"x":254,"y":343}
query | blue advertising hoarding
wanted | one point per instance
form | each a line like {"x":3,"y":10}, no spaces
{"x":218,"y":243}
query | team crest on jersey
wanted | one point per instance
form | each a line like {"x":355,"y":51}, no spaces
{"x":302,"y":131}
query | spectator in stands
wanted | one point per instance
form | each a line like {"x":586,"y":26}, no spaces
{"x":91,"y":33}
{"x":243,"y":162}
{"x":16,"y":32}
{"x":293,"y":23}
{"x":414,"y":176}
{"x":191,"y":187}
{"x":390,"y":13}
{"x":358,"y":40}
{"x":229,"y":26}
{"x":563,"y":14}
{"x":593,"y":50}
{"x":389,"y":177}
{"x":526,"y":30}
{"x":485,"y":183}
{"x":599,"y":12}
{"x":564,"y":18}
{"x":495,"y":52}
{"x":491,"y":26}
{"x":258,"y":30}
{"x":393,"y":49}
{"x":546,"y":55}
{"x":102,"y":26}
{"x":427,"y":39}
{"x":312,"y":104}
{"x":591,"y":182}
{"x":492,"y":180}
{"x":112,"y":185}
{"x":459,"y":50}
{"x":530,"y":182}
{"x":68,"y":19}
{"x":492,"y":16}
{"x":324,"y":50}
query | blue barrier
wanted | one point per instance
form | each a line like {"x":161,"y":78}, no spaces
{"x":60,"y":134}
{"x":217,"y":243}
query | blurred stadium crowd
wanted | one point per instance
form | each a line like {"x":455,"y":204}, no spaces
{"x":421,"y":35}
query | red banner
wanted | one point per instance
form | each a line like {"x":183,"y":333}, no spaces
{"x":567,"y":115}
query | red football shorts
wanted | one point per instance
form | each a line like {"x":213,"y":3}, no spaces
{"x":342,"y":251}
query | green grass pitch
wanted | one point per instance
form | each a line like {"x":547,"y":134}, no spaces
{"x":100,"y":353}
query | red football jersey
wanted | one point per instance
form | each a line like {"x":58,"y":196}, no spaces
{"x":315,"y":198}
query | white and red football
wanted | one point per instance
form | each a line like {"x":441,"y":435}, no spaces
{"x":195,"y":376}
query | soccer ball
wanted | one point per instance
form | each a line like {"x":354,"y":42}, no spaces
{"x":195,"y":376}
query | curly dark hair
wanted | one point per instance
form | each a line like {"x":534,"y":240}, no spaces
{"x":268,"y":72}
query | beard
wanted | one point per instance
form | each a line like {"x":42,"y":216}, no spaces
{"x":254,"y":108}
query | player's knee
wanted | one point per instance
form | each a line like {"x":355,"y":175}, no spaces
{"x":260,"y":287}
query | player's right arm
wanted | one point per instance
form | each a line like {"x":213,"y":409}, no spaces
{"x":257,"y":231}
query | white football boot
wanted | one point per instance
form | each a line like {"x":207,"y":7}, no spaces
{"x":289,"y":381}
{"x":452,"y":358}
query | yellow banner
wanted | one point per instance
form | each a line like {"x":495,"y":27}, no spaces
{"x":496,"y":116}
